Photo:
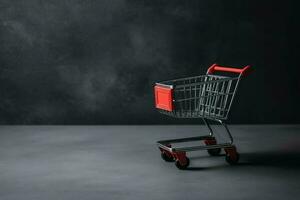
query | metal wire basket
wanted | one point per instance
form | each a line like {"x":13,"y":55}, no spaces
{"x":208,"y":96}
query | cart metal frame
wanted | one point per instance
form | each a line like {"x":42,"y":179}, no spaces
{"x":208,"y":97}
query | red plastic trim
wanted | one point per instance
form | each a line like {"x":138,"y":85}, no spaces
{"x":231,"y":151}
{"x":210,"y":142}
{"x":163,"y":98}
{"x":181,"y":156}
{"x":215,"y":67}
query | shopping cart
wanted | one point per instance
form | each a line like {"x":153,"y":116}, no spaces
{"x":208,"y":97}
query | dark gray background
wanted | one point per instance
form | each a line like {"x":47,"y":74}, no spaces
{"x":95,"y":62}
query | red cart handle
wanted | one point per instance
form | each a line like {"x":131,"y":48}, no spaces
{"x":215,"y":67}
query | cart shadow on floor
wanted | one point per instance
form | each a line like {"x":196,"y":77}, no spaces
{"x":284,"y":160}
{"x":271,"y":159}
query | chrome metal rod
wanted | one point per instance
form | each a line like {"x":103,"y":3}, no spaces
{"x":180,"y":140}
{"x":196,"y":148}
{"x":211,"y":132}
{"x":227,"y":130}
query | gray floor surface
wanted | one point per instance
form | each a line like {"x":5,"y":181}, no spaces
{"x":123,"y":162}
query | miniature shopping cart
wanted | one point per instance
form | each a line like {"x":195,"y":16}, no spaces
{"x":208,"y":97}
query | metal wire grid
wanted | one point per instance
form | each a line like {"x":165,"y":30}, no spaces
{"x":208,"y":96}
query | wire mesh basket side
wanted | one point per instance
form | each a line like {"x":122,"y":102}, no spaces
{"x":204,"y":96}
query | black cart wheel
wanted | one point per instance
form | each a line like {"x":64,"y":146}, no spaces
{"x":232,"y":158}
{"x":214,"y":152}
{"x":180,"y":166}
{"x":167,"y":157}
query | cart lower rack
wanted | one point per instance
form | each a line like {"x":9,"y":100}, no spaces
{"x":208,"y":97}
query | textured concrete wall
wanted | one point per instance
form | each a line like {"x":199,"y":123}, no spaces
{"x":95,"y":62}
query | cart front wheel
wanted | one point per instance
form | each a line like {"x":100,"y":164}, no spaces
{"x":182,"y":166}
{"x":167,"y":156}
{"x":232,"y":156}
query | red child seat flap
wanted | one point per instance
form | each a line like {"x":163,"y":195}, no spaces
{"x":163,"y":98}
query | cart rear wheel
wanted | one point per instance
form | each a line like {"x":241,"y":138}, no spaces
{"x":232,"y":158}
{"x":214,"y":152}
{"x":182,"y":166}
{"x":167,"y":156}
